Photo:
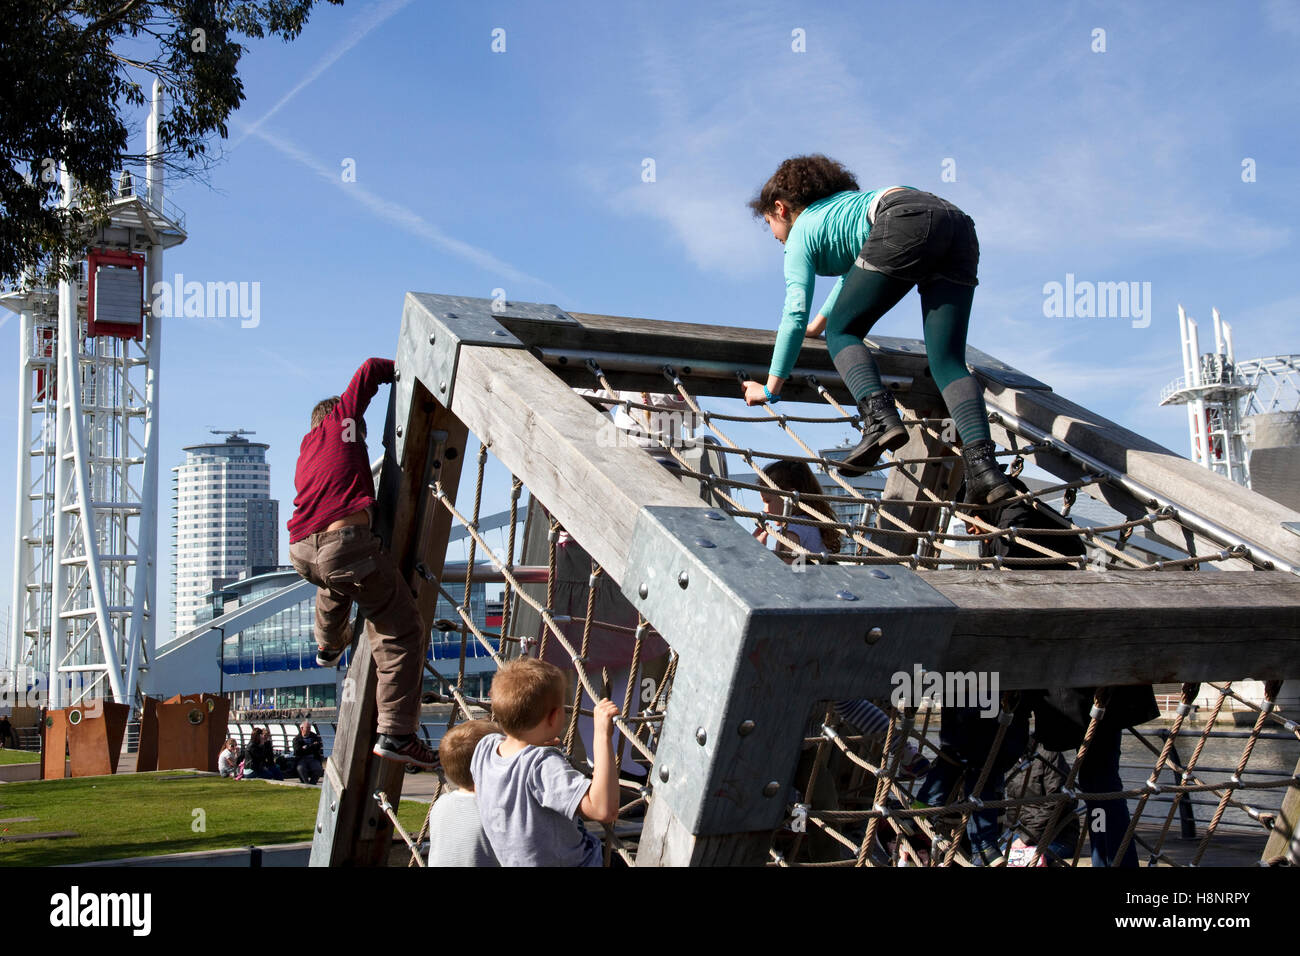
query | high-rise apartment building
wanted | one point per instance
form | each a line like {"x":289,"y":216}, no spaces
{"x":224,"y":520}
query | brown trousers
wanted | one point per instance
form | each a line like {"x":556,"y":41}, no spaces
{"x":347,"y":565}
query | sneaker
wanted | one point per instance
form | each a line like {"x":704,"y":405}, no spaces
{"x":407,"y":748}
{"x":918,"y":766}
{"x":329,"y":658}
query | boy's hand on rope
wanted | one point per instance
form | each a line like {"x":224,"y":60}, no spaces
{"x":603,"y":717}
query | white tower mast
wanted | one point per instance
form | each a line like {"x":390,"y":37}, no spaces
{"x":1213,"y":390}
{"x":86,"y":539}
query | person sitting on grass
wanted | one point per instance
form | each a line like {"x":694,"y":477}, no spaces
{"x":456,"y":836}
{"x":259,"y":757}
{"x":529,"y":795}
{"x":308,"y":752}
{"x":228,"y":761}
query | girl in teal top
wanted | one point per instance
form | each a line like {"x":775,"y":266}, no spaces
{"x":880,"y":243}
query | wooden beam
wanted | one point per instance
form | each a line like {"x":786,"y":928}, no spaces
{"x":350,"y":829}
{"x":664,"y":841}
{"x":561,"y":448}
{"x":1284,"y":841}
{"x":691,"y":348}
{"x":1252,"y":516}
{"x":1084,"y":628}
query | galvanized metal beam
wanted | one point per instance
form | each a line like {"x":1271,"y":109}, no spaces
{"x":760,"y":642}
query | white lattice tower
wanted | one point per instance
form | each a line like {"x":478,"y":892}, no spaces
{"x":85,"y":575}
{"x":1276,"y":381}
{"x":1213,"y":391}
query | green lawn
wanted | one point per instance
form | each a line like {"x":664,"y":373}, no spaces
{"x":8,"y":756}
{"x":143,"y":814}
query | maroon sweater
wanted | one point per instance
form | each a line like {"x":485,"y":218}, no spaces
{"x":333,"y":476}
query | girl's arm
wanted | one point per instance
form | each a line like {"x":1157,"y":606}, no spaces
{"x":754,"y":394}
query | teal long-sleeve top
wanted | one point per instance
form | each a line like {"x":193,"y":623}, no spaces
{"x":824,"y":241}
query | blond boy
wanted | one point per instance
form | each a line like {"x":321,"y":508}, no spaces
{"x":456,"y":836}
{"x":529,"y":796}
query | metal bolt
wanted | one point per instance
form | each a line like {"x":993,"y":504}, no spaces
{"x":746,"y":728}
{"x":877,"y":573}
{"x":704,"y":543}
{"x":701,"y":737}
{"x":334,"y":805}
{"x":714,"y":515}
{"x":442,"y":386}
{"x":874,"y":635}
{"x":683,"y":579}
{"x":643,"y":590}
{"x":397,"y":375}
{"x":399,"y":431}
{"x":771,"y":788}
{"x":501,"y":332}
{"x":433,"y":338}
{"x":319,"y":828}
{"x":846,"y":595}
{"x":663,"y":774}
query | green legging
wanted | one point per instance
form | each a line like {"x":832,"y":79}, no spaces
{"x":945,"y":308}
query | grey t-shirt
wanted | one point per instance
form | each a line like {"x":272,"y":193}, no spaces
{"x":528,"y":804}
{"x":456,"y":836}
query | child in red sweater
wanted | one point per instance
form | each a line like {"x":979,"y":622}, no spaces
{"x":332,"y":546}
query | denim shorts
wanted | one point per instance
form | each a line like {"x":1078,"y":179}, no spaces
{"x":918,"y":237}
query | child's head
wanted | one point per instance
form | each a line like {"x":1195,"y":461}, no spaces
{"x":322,"y":409}
{"x":457,"y":747}
{"x":789,"y":475}
{"x":525,"y":694}
{"x":798,"y":183}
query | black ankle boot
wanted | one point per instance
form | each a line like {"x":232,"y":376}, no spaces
{"x":882,"y":430}
{"x":985,"y":482}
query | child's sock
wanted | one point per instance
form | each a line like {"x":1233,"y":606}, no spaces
{"x":859,"y":371}
{"x":965,"y":403}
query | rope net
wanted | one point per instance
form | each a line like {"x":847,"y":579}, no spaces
{"x":879,"y":784}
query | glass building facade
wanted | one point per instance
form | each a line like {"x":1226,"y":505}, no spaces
{"x":281,"y":649}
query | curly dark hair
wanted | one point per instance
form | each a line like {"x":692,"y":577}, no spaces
{"x":800,"y":181}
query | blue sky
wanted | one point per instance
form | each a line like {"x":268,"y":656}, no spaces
{"x":521,"y":170}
